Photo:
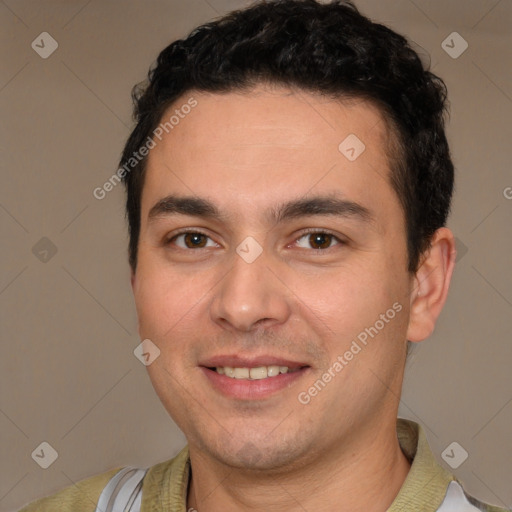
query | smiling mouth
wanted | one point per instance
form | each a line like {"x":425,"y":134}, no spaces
{"x":258,"y":373}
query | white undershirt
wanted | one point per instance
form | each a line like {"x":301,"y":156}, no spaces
{"x":456,"y":501}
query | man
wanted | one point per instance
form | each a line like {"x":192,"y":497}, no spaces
{"x":288,"y":185}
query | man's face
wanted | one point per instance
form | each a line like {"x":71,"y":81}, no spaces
{"x":209,"y":298}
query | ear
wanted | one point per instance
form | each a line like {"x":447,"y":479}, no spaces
{"x":430,"y":285}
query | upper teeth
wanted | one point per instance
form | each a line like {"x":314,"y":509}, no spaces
{"x":262,"y":372}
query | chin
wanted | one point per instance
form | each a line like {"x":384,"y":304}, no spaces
{"x":253,"y":454}
{"x":251,"y":458}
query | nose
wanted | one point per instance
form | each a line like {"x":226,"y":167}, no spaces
{"x":250,"y":296}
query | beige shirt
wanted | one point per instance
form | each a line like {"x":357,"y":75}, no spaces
{"x":166,"y":484}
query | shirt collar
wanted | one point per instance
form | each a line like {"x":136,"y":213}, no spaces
{"x":166,"y":484}
{"x":425,"y":486}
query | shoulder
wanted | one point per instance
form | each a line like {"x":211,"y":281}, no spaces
{"x":167,"y":482}
{"x":82,"y":496}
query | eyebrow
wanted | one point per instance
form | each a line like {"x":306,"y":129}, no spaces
{"x":324,"y":205}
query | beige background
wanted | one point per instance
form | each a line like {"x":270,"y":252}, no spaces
{"x":68,"y":373}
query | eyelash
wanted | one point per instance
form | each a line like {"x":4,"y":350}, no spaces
{"x":186,"y":231}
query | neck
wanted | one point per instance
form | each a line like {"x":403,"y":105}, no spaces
{"x":364,"y":475}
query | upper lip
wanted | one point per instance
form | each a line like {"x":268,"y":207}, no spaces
{"x":239,"y":361}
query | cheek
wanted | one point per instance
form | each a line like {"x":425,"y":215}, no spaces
{"x":347,"y":298}
{"x":348,"y":309}
{"x":161,"y":300}
{"x":162,"y":303}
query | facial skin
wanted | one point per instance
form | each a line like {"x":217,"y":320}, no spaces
{"x":248,"y":153}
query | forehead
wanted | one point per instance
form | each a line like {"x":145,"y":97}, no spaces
{"x":276,"y":116}
{"x":250,"y":147}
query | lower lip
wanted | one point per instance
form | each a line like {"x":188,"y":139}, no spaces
{"x":247,"y":389}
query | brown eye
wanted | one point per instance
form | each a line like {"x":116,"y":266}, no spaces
{"x":318,"y":240}
{"x":323,"y":240}
{"x":194,"y":240}
{"x":191,"y":240}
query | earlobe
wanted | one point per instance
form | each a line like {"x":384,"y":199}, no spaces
{"x":430,"y":285}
